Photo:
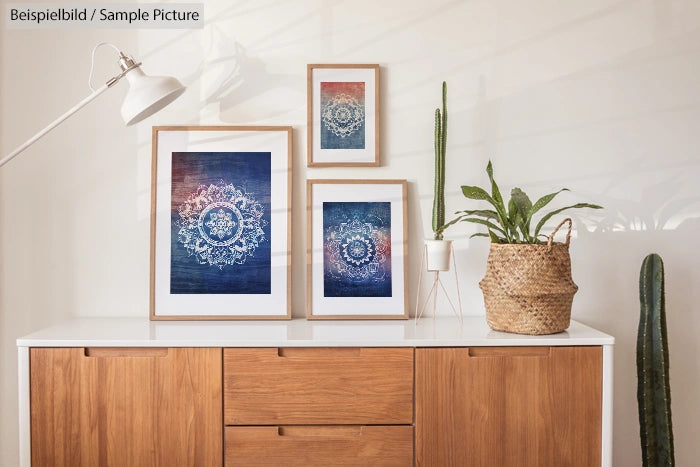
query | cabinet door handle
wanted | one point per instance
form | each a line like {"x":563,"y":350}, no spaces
{"x":521,"y":351}
{"x":126,"y":352}
{"x":304,"y":352}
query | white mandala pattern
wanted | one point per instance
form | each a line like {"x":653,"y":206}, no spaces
{"x":343,"y":115}
{"x":220,"y":225}
{"x":356,"y":251}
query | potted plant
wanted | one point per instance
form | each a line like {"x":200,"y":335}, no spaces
{"x":438,"y":249}
{"x":528,"y":287}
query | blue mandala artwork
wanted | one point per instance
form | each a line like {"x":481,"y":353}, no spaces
{"x":342,"y":115}
{"x":357,"y":249}
{"x":220,"y":223}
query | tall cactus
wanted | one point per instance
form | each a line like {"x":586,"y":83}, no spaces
{"x":653,"y":388}
{"x":440,"y":149}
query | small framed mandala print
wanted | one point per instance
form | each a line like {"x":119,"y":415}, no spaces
{"x":356,"y":253}
{"x":220,"y":223}
{"x":343,"y":115}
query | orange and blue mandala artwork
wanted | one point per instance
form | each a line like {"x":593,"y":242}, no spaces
{"x":342,"y":115}
{"x":220,"y":223}
{"x":357,"y":249}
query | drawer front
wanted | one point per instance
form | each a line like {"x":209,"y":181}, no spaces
{"x":319,"y":445}
{"x":317,"y":386}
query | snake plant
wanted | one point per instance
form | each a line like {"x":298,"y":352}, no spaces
{"x":511,"y":222}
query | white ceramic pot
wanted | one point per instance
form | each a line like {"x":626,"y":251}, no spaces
{"x":439,"y":252}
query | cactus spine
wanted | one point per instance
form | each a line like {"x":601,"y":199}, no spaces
{"x":440,"y":149}
{"x":653,"y":388}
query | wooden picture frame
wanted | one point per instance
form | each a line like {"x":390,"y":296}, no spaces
{"x":343,"y":115}
{"x":221,"y":222}
{"x":357,"y":241}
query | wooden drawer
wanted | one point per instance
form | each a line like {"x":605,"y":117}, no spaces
{"x":319,"y":445}
{"x":317,"y":386}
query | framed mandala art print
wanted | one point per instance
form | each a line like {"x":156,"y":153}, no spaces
{"x":343,"y":115}
{"x":356,"y":249}
{"x":220,"y":223}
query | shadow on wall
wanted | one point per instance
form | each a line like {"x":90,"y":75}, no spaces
{"x":661,"y":205}
{"x":230,"y":77}
{"x":665,"y":219}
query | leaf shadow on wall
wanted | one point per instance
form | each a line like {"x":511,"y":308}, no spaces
{"x":648,"y":209}
{"x":230,"y":77}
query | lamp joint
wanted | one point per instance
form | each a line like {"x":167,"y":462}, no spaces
{"x":127,"y":63}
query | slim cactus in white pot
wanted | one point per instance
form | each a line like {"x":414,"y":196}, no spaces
{"x":438,"y":249}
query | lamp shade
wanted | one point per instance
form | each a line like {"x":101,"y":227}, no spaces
{"x":148,"y":94}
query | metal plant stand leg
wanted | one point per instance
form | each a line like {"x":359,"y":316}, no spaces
{"x":436,"y":287}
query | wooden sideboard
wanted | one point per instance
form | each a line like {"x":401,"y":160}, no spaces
{"x":132,"y":392}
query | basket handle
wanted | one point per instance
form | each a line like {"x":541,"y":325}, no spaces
{"x":568,"y":234}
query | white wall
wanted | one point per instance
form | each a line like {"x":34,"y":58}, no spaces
{"x":601,"y":96}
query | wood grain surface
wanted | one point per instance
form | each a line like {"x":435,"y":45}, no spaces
{"x":491,"y":406}
{"x":312,"y":386}
{"x":112,"y":407}
{"x":319,"y":445}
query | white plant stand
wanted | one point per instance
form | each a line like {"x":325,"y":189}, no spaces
{"x":438,"y":286}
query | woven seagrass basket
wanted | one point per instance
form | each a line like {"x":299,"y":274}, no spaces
{"x":528,"y":288}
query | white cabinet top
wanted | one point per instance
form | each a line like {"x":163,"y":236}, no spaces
{"x":428,"y":332}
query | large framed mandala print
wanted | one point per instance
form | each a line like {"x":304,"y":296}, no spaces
{"x":356,"y":253}
{"x":220,"y":223}
{"x":343,"y":115}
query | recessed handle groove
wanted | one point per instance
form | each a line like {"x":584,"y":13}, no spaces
{"x":520,"y":351}
{"x":105,"y":352}
{"x":347,"y":431}
{"x":306,"y":352}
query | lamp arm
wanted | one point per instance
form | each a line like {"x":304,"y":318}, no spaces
{"x":145,"y":104}
{"x":58,"y":121}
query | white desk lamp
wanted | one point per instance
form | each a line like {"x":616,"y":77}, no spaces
{"x":146,"y":96}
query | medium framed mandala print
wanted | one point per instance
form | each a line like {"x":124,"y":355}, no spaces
{"x":356,"y":253}
{"x":343,"y":115}
{"x":220,"y":222}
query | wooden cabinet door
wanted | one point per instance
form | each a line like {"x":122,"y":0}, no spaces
{"x":508,"y":406}
{"x":126,"y":406}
